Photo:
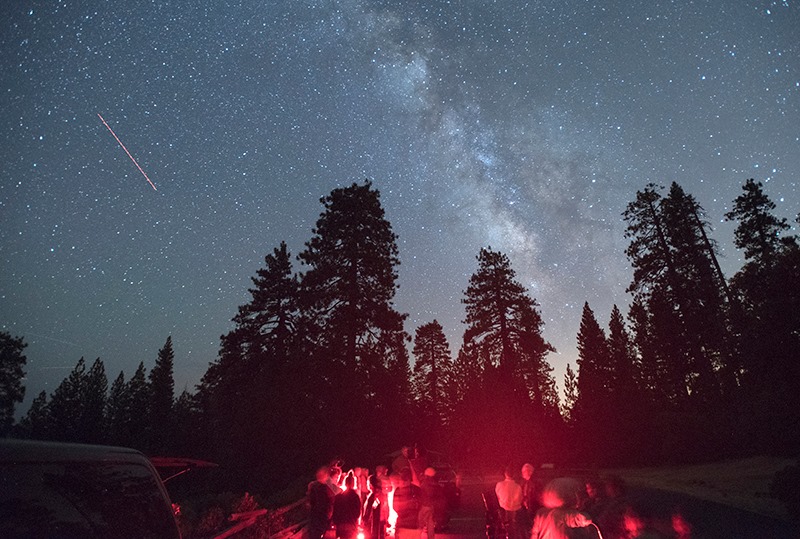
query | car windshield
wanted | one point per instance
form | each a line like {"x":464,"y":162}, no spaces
{"x":82,"y":500}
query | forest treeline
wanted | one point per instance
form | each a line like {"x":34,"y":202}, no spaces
{"x":318,"y":363}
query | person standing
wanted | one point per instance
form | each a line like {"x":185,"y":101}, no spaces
{"x":509,"y":498}
{"x":347,"y":510}
{"x":373,"y":510}
{"x":432,"y":498}
{"x":382,"y":473}
{"x":407,"y":504}
{"x":559,"y":511}
{"x":530,"y":498}
{"x":402,"y":461}
{"x":320,"y":504}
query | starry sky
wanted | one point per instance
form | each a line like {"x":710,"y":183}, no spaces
{"x":526,"y":126}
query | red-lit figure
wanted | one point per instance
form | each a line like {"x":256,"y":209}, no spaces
{"x":560,"y":501}
{"x":407,"y":503}
{"x":432,"y":502}
{"x":335,"y":478}
{"x":347,"y":510}
{"x":320,"y":504}
{"x":531,"y":491}
{"x":373,"y":522}
{"x":509,"y":498}
{"x":418,"y":462}
{"x":402,"y":461}
{"x":681,"y":527}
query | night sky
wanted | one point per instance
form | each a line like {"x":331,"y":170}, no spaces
{"x":527,"y":126}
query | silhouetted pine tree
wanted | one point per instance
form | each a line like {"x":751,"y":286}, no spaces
{"x":12,"y":391}
{"x":504,"y":322}
{"x":593,"y":410}
{"x":515,"y":400}
{"x":66,"y":405}
{"x":431,"y":363}
{"x":255,"y":396}
{"x":671,"y":259}
{"x":683,"y":305}
{"x":36,"y":423}
{"x":494,"y":301}
{"x":570,"y":394}
{"x":92,"y":426}
{"x":162,"y":394}
{"x":699,"y":294}
{"x":768,"y":323}
{"x":76,"y":410}
{"x":594,"y":367}
{"x":117,"y":405}
{"x":625,"y":375}
{"x":188,"y":440}
{"x":394,"y":399}
{"x":759,"y":231}
{"x":463,"y":378}
{"x":137,"y":417}
{"x":347,"y":300}
{"x":627,"y":393}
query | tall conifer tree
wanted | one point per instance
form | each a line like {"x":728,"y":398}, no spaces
{"x":36,"y":423}
{"x":117,"y":411}
{"x":92,"y":427}
{"x":66,"y":405}
{"x":262,"y":369}
{"x":431,"y":363}
{"x":162,"y":396}
{"x":768,"y":322}
{"x":347,"y":297}
{"x":137,"y":414}
{"x":594,"y":374}
{"x":12,"y":391}
{"x":759,"y":231}
{"x":570,"y":394}
{"x":516,"y":394}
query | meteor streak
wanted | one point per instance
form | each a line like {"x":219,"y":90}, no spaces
{"x":127,"y":152}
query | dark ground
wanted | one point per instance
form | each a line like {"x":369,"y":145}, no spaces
{"x":709,"y":520}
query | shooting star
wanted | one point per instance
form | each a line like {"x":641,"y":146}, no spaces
{"x":127,"y":152}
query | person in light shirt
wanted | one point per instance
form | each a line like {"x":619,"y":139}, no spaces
{"x":509,"y":498}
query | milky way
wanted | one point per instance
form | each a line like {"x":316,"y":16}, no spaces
{"x":524,"y":126}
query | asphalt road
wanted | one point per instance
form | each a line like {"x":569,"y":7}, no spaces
{"x":709,"y":520}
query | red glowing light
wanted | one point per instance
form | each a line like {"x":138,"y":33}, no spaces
{"x":392,"y":519}
{"x":127,"y":152}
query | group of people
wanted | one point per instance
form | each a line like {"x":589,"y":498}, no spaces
{"x":567,"y":509}
{"x":518,"y":503}
{"x":408,"y":499}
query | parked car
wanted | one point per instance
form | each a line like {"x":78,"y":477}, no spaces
{"x":73,"y":491}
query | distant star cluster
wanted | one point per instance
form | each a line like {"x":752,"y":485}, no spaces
{"x":524,"y":126}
